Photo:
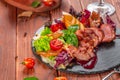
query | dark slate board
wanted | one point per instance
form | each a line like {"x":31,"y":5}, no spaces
{"x":108,"y":58}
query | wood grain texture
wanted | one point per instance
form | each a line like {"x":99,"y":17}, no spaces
{"x":102,"y":75}
{"x":25,"y":32}
{"x":116,"y":4}
{"x":15,"y":41}
{"x":7,"y":41}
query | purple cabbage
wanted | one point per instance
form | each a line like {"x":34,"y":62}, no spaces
{"x":63,"y":58}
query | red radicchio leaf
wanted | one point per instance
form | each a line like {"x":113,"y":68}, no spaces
{"x":86,"y":14}
{"x":63,"y":58}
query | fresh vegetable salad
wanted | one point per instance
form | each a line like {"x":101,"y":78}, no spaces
{"x":52,"y":43}
{"x":73,"y":39}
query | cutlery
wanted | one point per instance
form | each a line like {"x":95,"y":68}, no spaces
{"x":116,"y":70}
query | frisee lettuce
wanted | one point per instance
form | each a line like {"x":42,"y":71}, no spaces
{"x":46,"y":31}
{"x":42,"y":44}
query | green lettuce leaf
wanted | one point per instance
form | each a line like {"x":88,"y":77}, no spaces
{"x":69,"y":35}
{"x":42,"y":44}
{"x":46,"y":31}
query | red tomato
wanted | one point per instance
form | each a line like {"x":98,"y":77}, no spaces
{"x":60,"y":78}
{"x":56,"y":27}
{"x":48,"y":2}
{"x":56,"y":44}
{"x":29,"y":63}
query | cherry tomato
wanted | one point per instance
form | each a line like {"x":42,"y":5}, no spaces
{"x":48,"y":2}
{"x":29,"y":63}
{"x":60,"y":78}
{"x":56,"y":27}
{"x":56,"y":44}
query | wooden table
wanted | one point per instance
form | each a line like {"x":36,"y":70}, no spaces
{"x":15,"y":41}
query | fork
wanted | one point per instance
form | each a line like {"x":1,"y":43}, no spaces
{"x":116,"y":70}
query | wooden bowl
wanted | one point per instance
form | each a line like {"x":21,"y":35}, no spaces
{"x":26,"y":5}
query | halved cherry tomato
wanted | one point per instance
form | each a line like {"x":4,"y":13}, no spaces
{"x":60,"y":78}
{"x":29,"y":63}
{"x":49,"y":2}
{"x":56,"y":44}
{"x":56,"y":27}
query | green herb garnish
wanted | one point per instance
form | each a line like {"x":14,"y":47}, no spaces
{"x":69,"y":35}
{"x":31,"y":78}
{"x":73,"y":28}
{"x":35,"y":4}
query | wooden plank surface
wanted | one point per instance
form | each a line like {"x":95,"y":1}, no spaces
{"x":25,"y":32}
{"x":116,"y":4}
{"x":7,"y":41}
{"x":15,"y":42}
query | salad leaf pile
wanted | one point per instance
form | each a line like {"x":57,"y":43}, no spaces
{"x":42,"y":44}
{"x":69,"y":35}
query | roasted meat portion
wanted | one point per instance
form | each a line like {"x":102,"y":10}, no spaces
{"x":109,"y":32}
{"x":81,"y":53}
{"x":99,"y":33}
{"x":87,"y":37}
{"x":84,"y":53}
{"x":88,"y":40}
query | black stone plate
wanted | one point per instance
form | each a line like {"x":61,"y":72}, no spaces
{"x":108,"y":58}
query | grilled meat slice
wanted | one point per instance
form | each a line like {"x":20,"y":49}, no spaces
{"x":109,"y":32}
{"x":87,"y":36}
{"x":84,"y":53}
{"x":99,"y":33}
{"x":88,"y":40}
